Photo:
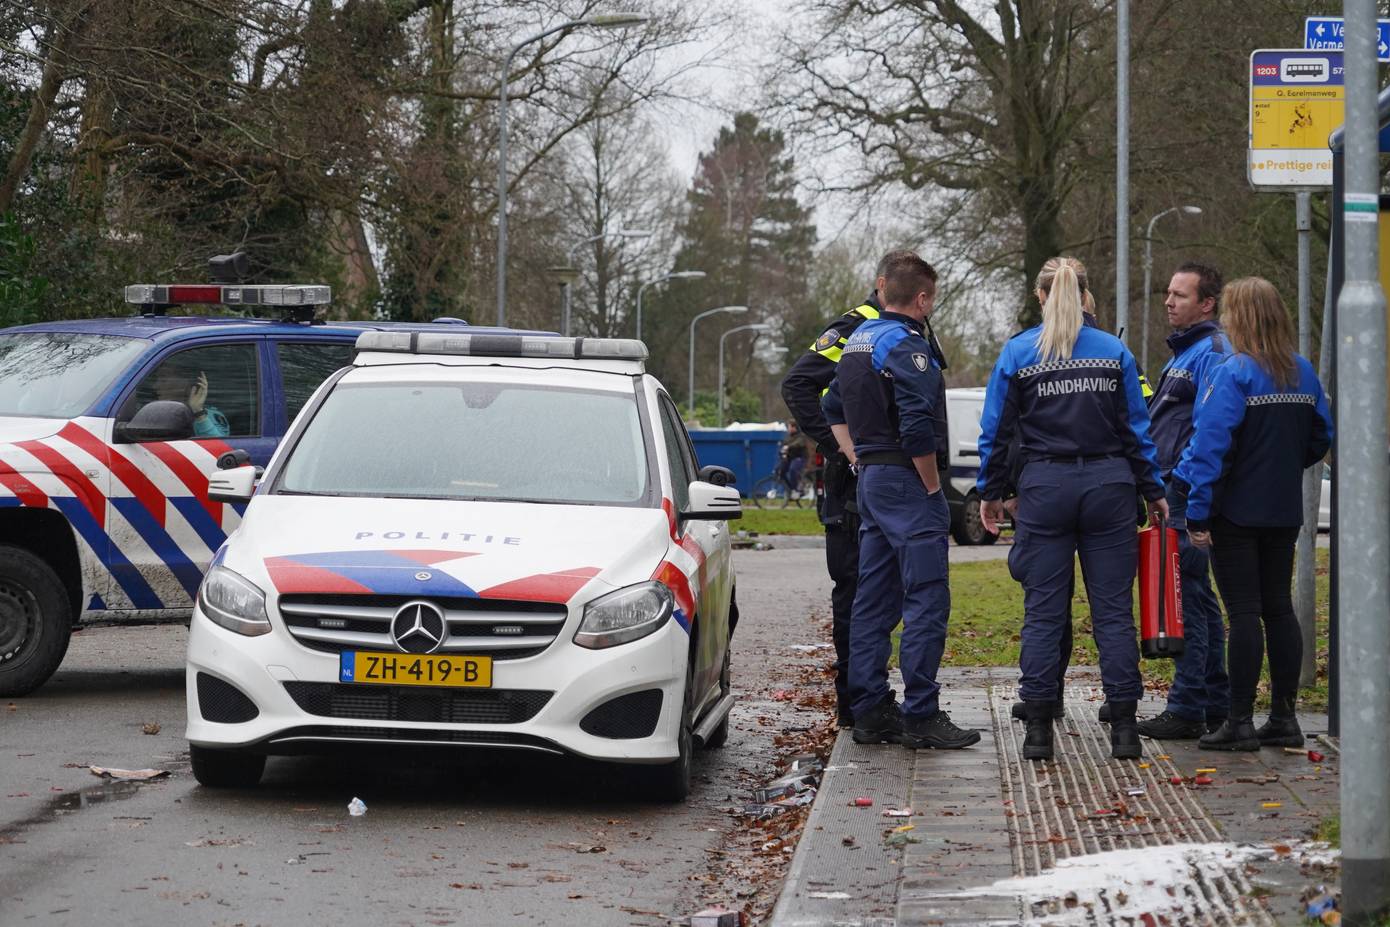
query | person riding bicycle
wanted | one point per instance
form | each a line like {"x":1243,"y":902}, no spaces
{"x":795,"y":451}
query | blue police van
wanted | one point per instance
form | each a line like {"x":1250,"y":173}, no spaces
{"x":109,"y":429}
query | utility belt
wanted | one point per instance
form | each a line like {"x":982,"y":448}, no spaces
{"x":1070,"y":458}
{"x":891,"y":458}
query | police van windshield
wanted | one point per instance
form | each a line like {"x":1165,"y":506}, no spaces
{"x":60,"y":374}
{"x":486,"y":441}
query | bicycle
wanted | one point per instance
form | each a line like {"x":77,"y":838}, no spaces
{"x":772,"y":491}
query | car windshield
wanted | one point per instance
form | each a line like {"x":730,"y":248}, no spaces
{"x":489,"y":440}
{"x":59,"y":374}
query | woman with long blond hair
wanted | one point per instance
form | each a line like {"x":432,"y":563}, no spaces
{"x":1262,"y":421}
{"x":1071,"y":394}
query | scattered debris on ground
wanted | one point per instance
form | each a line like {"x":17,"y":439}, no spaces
{"x":111,"y":772}
{"x":357,"y":807}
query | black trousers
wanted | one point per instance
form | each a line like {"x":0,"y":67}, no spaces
{"x":1254,"y":573}
{"x":842,"y":561}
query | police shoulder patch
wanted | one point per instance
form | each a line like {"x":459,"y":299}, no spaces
{"x":828,"y":338}
{"x":920,"y":362}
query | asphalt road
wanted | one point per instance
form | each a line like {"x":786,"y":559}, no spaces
{"x":523,"y":839}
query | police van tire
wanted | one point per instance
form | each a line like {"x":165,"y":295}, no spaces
{"x":966,"y":527}
{"x":226,"y":769}
{"x":35,"y":621}
{"x":670,"y":782}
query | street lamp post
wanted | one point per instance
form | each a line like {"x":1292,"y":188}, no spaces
{"x":690,"y":394}
{"x":674,"y":275}
{"x":617,"y":233}
{"x":607,"y":21}
{"x":1148,"y":274}
{"x":758,"y":327}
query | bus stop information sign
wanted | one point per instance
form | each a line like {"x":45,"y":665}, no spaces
{"x":1297,"y":98}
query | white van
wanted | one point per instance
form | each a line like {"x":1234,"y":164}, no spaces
{"x":963,"y":409}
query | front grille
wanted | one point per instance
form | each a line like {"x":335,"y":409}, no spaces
{"x":626,"y":717}
{"x":409,"y":703}
{"x":286,"y":740}
{"x":223,"y":702}
{"x":504,"y":630}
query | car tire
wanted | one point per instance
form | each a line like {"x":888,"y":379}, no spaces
{"x":967,"y":528}
{"x":670,"y":782}
{"x":226,"y":769}
{"x":720,"y":735}
{"x":35,"y":621}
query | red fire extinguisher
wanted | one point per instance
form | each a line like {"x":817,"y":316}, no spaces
{"x":1160,"y":592}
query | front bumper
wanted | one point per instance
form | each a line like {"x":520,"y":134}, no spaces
{"x":580,"y":680}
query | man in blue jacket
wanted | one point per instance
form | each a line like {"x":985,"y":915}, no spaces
{"x":884,"y":397}
{"x":1201,"y":693}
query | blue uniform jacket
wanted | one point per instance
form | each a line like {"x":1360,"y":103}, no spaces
{"x":886,"y":388}
{"x":1088,"y":406}
{"x":1253,"y":442}
{"x":1197,"y":351}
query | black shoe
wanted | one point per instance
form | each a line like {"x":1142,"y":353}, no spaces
{"x":1214,"y":723}
{"x":936,"y":731}
{"x":1281,"y":730}
{"x":1037,"y":740}
{"x":1103,"y":716}
{"x":1124,"y":731}
{"x":844,"y":718}
{"x":1168,"y":726}
{"x":1020,"y":713}
{"x":1236,"y":733}
{"x":881,"y":725}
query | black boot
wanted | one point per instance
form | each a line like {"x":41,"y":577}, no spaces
{"x":936,"y":731}
{"x":1020,"y":712}
{"x":1037,"y":740}
{"x":1281,"y":730}
{"x":1103,"y":715}
{"x":1236,"y":733}
{"x":1124,"y":731}
{"x":883,"y":724}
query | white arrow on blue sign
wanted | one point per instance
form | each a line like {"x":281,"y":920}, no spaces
{"x":1326,"y":32}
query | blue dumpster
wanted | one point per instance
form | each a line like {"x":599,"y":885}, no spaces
{"x":751,"y":454}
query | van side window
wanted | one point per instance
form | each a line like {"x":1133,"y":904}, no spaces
{"x":220,"y":383}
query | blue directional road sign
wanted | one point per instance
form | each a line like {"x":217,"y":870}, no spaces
{"x":1326,"y":32}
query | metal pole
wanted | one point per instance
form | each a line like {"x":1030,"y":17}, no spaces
{"x":1122,"y":167}
{"x":502,"y":187}
{"x":690,"y":393}
{"x":1148,"y":285}
{"x":1305,"y":599}
{"x":721,"y":377}
{"x":1364,"y":568}
{"x":639,"y":307}
{"x":565,"y":312}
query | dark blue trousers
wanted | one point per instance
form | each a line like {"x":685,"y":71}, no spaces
{"x":902,"y":575}
{"x":1201,"y":689}
{"x":1065,"y":509}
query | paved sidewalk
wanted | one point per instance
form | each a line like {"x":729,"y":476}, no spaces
{"x":1084,"y":839}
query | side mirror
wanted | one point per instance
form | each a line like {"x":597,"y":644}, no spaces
{"x":233,"y":485}
{"x":233,"y":459}
{"x":709,"y":502}
{"x":719,"y":476}
{"x":161,"y":420}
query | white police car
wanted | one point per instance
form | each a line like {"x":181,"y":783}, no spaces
{"x":472,"y":540}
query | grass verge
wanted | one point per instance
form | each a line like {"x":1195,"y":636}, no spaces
{"x":779,"y":521}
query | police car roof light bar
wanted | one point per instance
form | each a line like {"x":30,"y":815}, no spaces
{"x":503,"y":345}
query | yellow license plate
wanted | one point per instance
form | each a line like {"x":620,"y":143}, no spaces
{"x":412,"y":669}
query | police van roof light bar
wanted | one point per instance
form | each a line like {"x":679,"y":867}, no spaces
{"x":503,"y":345}
{"x":145,"y":294}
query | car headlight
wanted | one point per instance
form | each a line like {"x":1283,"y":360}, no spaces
{"x":624,"y":616}
{"x":234,"y":602}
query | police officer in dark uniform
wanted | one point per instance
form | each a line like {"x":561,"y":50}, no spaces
{"x":885,"y":396}
{"x":1072,"y":393}
{"x":802,"y":389}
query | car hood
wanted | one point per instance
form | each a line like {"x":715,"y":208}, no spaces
{"x":20,"y":428}
{"x":517,"y":551}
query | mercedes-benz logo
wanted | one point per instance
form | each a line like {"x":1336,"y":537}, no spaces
{"x":418,"y":627}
